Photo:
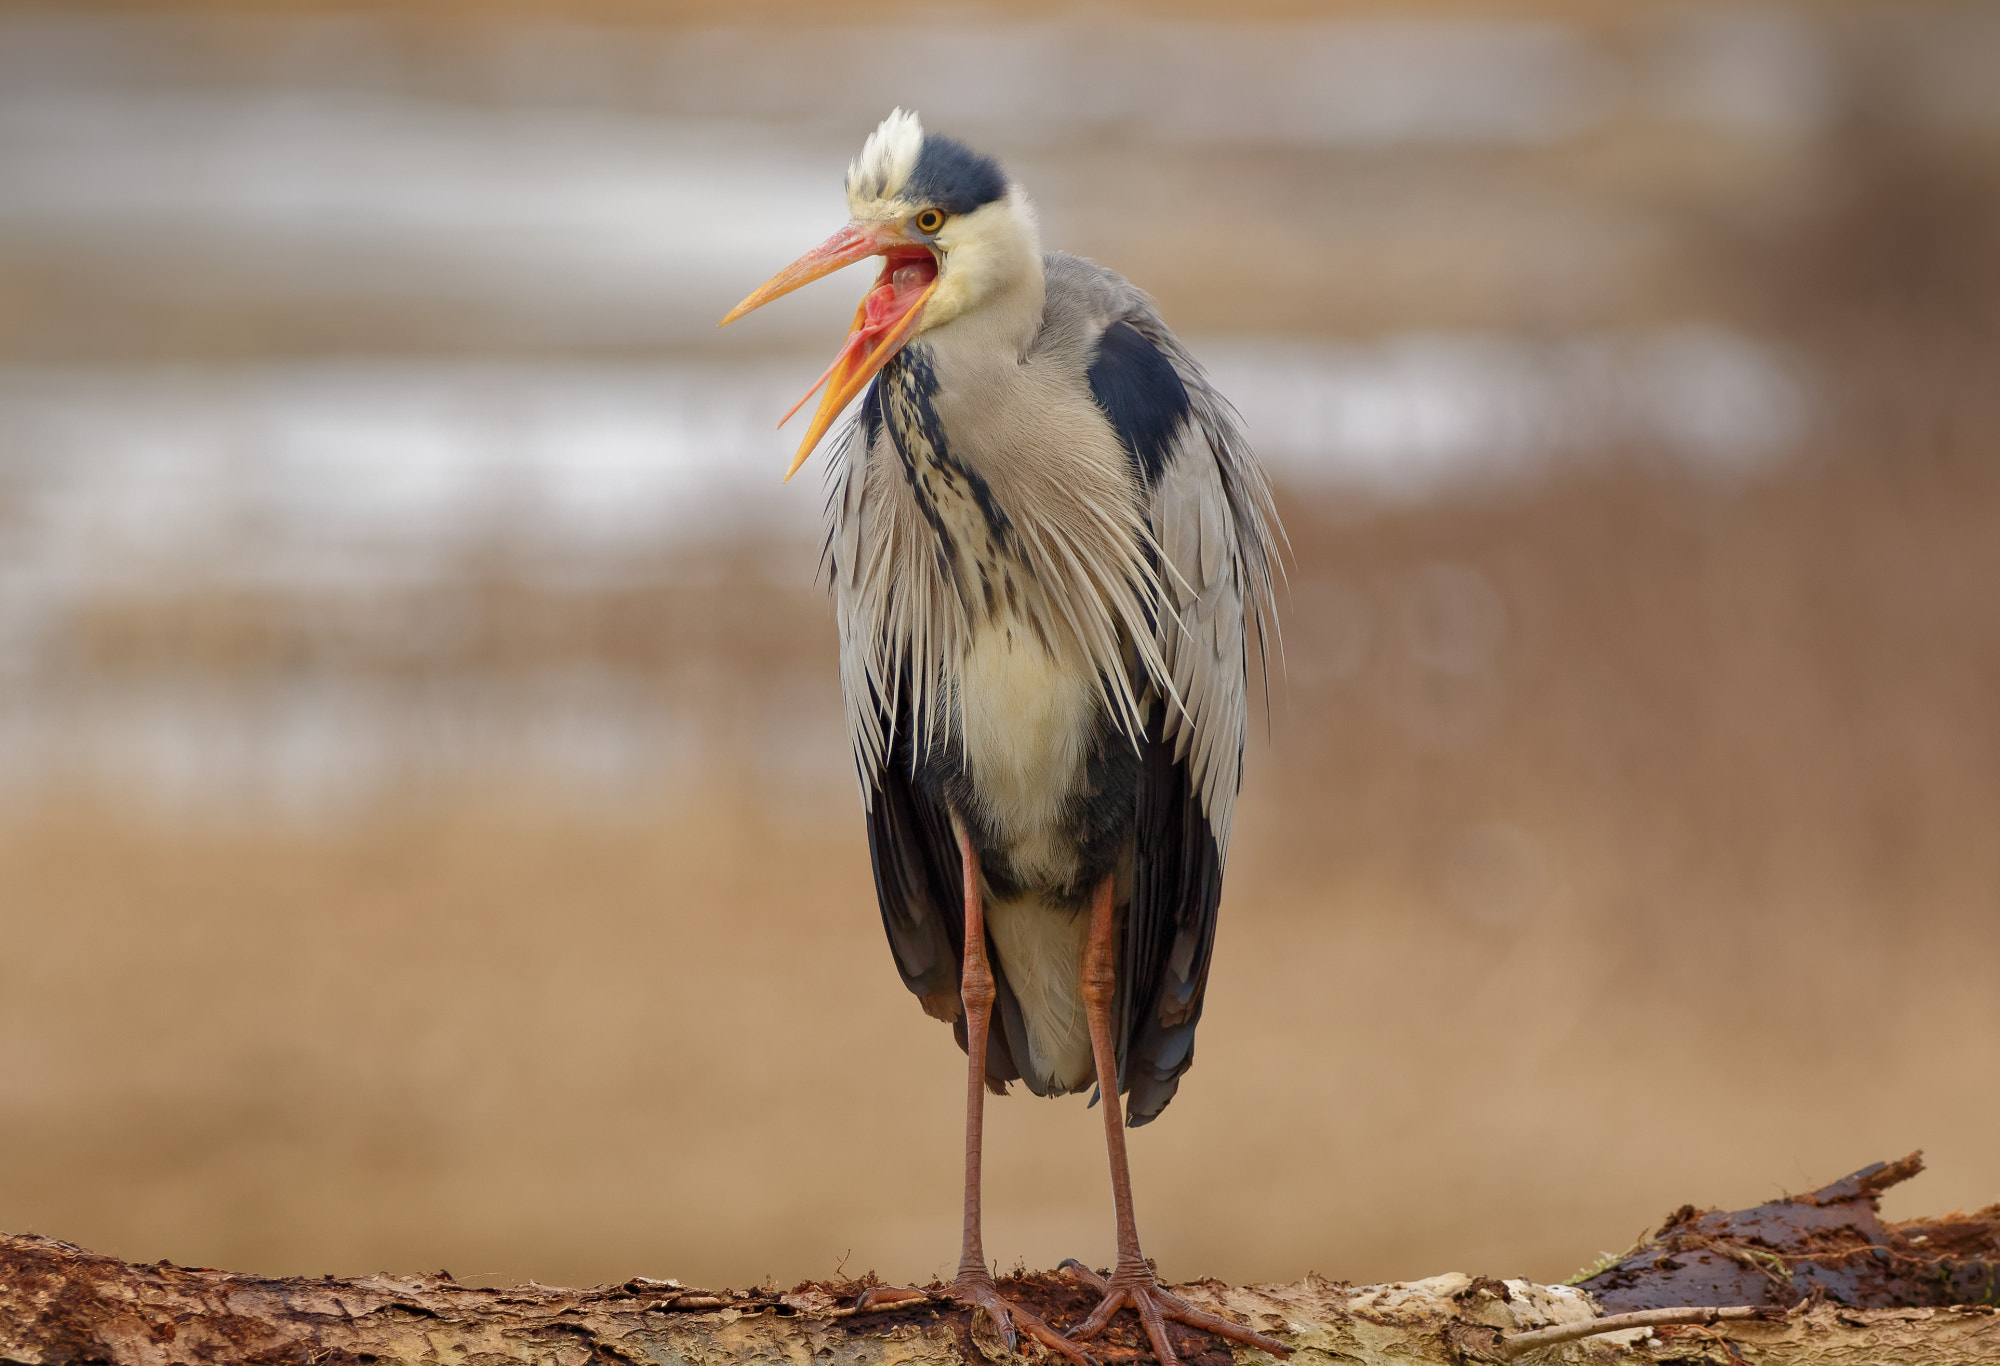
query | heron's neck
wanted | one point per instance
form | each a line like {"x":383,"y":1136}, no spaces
{"x":992,"y":290}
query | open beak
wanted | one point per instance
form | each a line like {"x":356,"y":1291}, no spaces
{"x":884,"y":322}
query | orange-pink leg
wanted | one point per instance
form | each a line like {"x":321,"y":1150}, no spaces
{"x":1131,"y":1280}
{"x":974,"y":1285}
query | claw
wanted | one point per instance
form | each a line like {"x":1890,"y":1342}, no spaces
{"x":984,"y":1297}
{"x":1154,"y":1306}
{"x":980,"y":1299}
{"x":1004,"y":1322}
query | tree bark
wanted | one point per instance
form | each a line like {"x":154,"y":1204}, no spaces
{"x":60,"y":1304}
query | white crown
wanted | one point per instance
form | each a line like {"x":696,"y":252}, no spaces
{"x":886,"y":160}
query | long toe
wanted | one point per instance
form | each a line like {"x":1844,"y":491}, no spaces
{"x":1008,"y":1317}
{"x":1180,"y":1311}
{"x":1155,"y":1307}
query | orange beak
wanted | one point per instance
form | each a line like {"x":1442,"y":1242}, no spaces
{"x":884,"y":322}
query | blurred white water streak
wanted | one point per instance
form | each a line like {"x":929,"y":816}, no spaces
{"x":383,"y":479}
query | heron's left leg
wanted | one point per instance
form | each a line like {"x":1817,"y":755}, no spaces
{"x":974,"y":1285}
{"x":1131,"y":1280}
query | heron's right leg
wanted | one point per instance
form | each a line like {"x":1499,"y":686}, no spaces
{"x":1132,"y":1281}
{"x":974,"y":1283}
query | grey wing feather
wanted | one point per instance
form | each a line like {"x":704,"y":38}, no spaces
{"x":1212,"y":519}
{"x":1209,"y":509}
{"x":1212,"y":515}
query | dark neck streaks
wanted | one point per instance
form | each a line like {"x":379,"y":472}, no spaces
{"x":975,"y":542}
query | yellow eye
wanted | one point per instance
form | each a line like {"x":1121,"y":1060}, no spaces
{"x":930,"y":220}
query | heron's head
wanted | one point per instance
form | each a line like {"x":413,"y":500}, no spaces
{"x":953,"y":233}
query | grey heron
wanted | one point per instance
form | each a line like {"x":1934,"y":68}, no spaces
{"x":1047,"y":543}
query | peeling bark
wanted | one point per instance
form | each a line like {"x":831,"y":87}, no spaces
{"x":60,"y":1304}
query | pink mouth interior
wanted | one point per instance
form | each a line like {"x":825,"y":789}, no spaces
{"x":903,"y":278}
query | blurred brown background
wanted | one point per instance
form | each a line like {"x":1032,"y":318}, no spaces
{"x":426,"y":836}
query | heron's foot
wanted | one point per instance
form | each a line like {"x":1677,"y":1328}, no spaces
{"x":977,"y":1291}
{"x":1133,"y":1284}
{"x":979,"y":1294}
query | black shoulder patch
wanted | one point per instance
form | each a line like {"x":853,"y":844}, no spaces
{"x":1142,"y":394}
{"x":954,"y":177}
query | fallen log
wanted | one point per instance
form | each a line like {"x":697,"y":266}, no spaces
{"x":62,"y":1305}
{"x":1827,"y":1244}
